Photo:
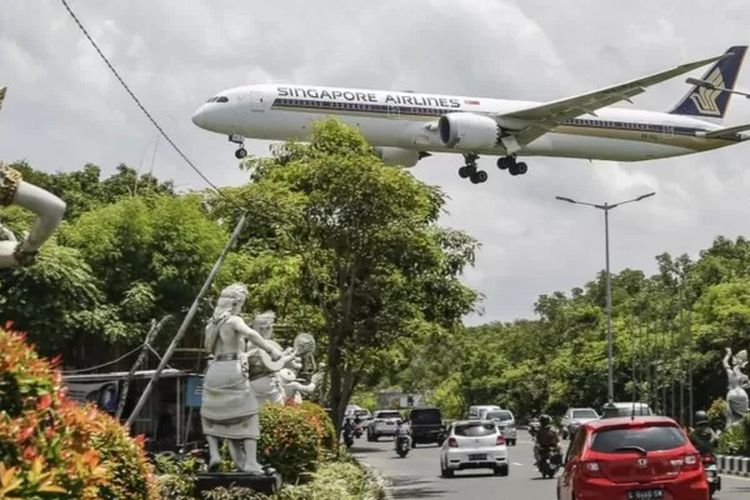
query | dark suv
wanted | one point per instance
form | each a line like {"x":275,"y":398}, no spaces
{"x":426,"y":426}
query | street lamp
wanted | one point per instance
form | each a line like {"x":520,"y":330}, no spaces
{"x":606,"y":207}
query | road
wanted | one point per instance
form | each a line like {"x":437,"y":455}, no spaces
{"x":418,"y":475}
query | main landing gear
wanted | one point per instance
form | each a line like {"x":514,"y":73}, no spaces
{"x":470,"y":170}
{"x":510,"y":164}
{"x":240,"y":141}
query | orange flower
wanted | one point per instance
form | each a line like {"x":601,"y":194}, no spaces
{"x":44,"y":402}
{"x":29,"y":453}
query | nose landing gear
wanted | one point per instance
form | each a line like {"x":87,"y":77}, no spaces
{"x":470,"y":171}
{"x":240,"y":141}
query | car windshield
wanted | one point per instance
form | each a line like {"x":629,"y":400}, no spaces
{"x":585,"y":414}
{"x":501,"y":415}
{"x":656,"y":438}
{"x":361,"y":413}
{"x":388,"y":414}
{"x":425,"y":417}
{"x":474,"y":430}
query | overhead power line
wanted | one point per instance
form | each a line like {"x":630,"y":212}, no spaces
{"x":139,"y":104}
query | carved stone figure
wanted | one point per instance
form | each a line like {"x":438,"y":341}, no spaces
{"x":48,"y":208}
{"x":231,"y":393}
{"x":737,"y":400}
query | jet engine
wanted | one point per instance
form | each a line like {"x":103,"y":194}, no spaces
{"x":398,"y":156}
{"x":468,"y":131}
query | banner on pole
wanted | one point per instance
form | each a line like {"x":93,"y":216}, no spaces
{"x":193,"y":391}
{"x":103,"y":394}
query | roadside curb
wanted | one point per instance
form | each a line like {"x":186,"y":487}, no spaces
{"x":733,"y":465}
{"x":378,"y":476}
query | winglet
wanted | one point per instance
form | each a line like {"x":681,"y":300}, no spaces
{"x":709,"y":98}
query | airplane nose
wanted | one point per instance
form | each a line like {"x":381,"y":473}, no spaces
{"x":199,"y":117}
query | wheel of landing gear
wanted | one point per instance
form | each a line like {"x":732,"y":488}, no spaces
{"x":479,"y":177}
{"x":240,"y":153}
{"x":503,"y":163}
{"x":522,"y":168}
{"x":465,"y":171}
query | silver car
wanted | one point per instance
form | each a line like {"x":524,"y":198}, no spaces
{"x":574,"y":418}
{"x":505,"y":422}
{"x":383,"y":424}
{"x":474,"y":444}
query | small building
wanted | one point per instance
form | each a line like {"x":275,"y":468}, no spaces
{"x":396,"y":399}
{"x":170,"y":417}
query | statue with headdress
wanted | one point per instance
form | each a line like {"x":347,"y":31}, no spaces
{"x":290,"y":379}
{"x":231,"y":395}
{"x":48,"y":208}
{"x":737,"y":400}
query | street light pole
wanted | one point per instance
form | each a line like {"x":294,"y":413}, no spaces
{"x":606,"y":207}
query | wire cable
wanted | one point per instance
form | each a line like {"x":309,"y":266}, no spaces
{"x":82,"y":370}
{"x":141,"y":106}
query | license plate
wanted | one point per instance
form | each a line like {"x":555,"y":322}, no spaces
{"x":656,"y":494}
{"x":477,"y":457}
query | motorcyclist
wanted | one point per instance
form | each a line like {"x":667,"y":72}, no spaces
{"x":547,"y":437}
{"x":402,"y":429}
{"x":703,"y":436}
{"x":347,"y":430}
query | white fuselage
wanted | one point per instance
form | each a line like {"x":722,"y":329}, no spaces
{"x":409,"y":121}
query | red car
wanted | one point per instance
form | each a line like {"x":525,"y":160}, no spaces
{"x":639,"y":458}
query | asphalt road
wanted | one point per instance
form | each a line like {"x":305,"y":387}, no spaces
{"x":418,"y":475}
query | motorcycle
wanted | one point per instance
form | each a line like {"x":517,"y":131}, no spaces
{"x":403,"y":445}
{"x":357,"y":431}
{"x":550,"y":460}
{"x":348,"y":438}
{"x":712,"y":474}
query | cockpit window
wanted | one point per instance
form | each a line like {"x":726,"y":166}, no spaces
{"x":211,"y":99}
{"x":222,"y":98}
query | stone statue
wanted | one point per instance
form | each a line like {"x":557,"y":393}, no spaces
{"x":291,"y":384}
{"x":232,"y":393}
{"x":48,"y":208}
{"x":737,"y":400}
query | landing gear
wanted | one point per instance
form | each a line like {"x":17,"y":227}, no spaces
{"x":510,"y":164}
{"x":470,"y":170}
{"x":239,"y":140}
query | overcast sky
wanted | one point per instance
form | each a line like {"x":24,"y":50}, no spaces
{"x":64,"y":108}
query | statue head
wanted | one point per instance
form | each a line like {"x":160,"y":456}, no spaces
{"x":263,"y":323}
{"x":230,"y":303}
{"x":740,"y":359}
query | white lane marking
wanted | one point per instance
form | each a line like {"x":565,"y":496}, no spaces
{"x":739,"y":478}
{"x":516,"y":463}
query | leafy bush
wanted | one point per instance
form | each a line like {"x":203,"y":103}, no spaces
{"x":233,"y":493}
{"x":736,"y":439}
{"x":340,"y":480}
{"x":52,"y":448}
{"x":175,"y":479}
{"x":323,"y":424}
{"x":717,"y":414}
{"x":289,"y":441}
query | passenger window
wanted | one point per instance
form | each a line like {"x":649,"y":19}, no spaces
{"x":222,"y":98}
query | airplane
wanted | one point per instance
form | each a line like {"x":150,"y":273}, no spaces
{"x":404,"y":127}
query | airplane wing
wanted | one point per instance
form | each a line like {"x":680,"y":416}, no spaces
{"x":545,"y":117}
{"x":729,"y":132}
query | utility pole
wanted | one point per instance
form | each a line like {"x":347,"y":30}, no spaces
{"x":606,"y":207}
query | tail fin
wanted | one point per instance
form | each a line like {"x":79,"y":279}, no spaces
{"x":709,"y":97}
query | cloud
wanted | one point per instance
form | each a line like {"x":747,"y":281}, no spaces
{"x":64,"y":109}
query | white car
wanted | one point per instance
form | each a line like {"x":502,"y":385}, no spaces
{"x":477,"y":412}
{"x":505,"y":422}
{"x":474,"y":444}
{"x":574,"y":418}
{"x":383,"y":424}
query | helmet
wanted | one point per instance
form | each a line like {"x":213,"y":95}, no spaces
{"x":545,"y":420}
{"x":700,"y":418}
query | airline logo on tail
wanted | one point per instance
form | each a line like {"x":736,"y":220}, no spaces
{"x":711,"y":99}
{"x":706,"y":99}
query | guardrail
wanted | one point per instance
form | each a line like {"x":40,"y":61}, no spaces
{"x":738,"y":466}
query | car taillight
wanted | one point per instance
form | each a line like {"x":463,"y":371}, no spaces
{"x":500,"y":441}
{"x":691,"y":462}
{"x":452,"y":443}
{"x":592,"y":469}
